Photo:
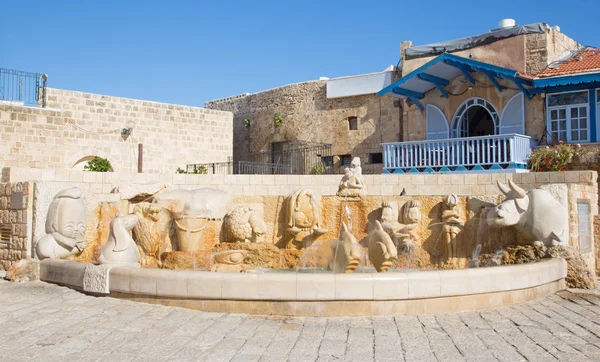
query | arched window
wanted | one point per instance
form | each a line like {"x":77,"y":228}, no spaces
{"x":475,"y":117}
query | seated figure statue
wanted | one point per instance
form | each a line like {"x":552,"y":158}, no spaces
{"x":65,"y":226}
{"x":352,"y":183}
{"x":303,"y":213}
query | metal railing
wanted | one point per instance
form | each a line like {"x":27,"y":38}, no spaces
{"x":510,"y":150}
{"x":301,"y":160}
{"x":22,"y":88}
{"x":238,"y":168}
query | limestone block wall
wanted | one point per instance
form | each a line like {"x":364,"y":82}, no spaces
{"x":16,"y":210}
{"x":542,"y":49}
{"x":309,"y":117}
{"x":76,"y":126}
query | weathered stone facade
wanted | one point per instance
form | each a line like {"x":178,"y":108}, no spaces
{"x":309,"y":117}
{"x":76,"y":126}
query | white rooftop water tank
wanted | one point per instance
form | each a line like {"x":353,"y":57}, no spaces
{"x":506,"y":23}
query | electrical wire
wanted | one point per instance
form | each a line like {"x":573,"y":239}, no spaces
{"x":79,"y":128}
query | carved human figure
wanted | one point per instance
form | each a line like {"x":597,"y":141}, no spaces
{"x":352,"y":183}
{"x":120,"y":248}
{"x":347,"y":254}
{"x":410,"y":216}
{"x":382,"y":251}
{"x":452,"y":226}
{"x":243,"y":224}
{"x":303,"y":213}
{"x":65,"y":226}
{"x":151,"y":232}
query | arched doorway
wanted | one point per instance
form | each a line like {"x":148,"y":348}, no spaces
{"x":475,"y":117}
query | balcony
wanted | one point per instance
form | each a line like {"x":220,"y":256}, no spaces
{"x":508,"y":152}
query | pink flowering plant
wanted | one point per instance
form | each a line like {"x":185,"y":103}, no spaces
{"x":555,"y":157}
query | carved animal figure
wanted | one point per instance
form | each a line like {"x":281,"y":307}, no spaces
{"x":348,"y":253}
{"x":243,"y":224}
{"x":151,"y":232}
{"x":536,"y":214}
{"x":382,"y":250}
{"x":120,"y":248}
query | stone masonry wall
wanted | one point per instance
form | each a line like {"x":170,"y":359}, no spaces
{"x":16,"y":216}
{"x":542,"y":49}
{"x":309,"y":117}
{"x":76,"y":126}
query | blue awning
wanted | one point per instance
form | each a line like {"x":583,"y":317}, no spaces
{"x":568,"y":82}
{"x":437,"y":73}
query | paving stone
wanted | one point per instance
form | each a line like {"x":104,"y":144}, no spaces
{"x":43,"y":322}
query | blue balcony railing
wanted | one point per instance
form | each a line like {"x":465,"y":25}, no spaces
{"x":22,"y":88}
{"x":509,"y":151}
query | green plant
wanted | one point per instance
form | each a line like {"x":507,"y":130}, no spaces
{"x":318,"y":169}
{"x":198,"y":169}
{"x":277,"y":119}
{"x":98,"y":164}
{"x":247,"y":123}
{"x":555,"y":157}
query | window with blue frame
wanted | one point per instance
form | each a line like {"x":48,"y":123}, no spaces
{"x":568,"y":117}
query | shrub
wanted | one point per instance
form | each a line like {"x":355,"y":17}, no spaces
{"x":554,"y":158}
{"x":97,"y":164}
{"x":247,"y":123}
{"x":201,"y":169}
{"x":318,"y":169}
{"x":277,"y":119}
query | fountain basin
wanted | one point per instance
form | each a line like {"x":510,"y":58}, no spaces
{"x":317,"y":294}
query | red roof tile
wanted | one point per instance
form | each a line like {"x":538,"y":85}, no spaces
{"x":587,"y":60}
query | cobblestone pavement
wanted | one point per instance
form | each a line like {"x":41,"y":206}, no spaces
{"x":43,"y":322}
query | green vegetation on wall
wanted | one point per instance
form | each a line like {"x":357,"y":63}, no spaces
{"x":98,"y":164}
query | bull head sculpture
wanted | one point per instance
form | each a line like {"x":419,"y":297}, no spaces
{"x":510,"y":211}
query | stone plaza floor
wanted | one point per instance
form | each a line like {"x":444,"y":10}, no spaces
{"x":44,"y":322}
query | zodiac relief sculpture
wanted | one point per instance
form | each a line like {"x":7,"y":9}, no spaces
{"x":65,"y":226}
{"x":352,"y":183}
{"x":382,"y":251}
{"x":403,"y":231}
{"x":452,"y":226}
{"x":151,"y":232}
{"x":243,"y":224}
{"x":303,"y":213}
{"x":348,"y":253}
{"x":537,"y":215}
{"x":120,"y":249}
{"x":229,"y":261}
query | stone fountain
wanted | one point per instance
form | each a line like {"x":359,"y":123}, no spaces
{"x":201,"y":246}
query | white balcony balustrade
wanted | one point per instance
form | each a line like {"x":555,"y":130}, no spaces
{"x":500,"y":152}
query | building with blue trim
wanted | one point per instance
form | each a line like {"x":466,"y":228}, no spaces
{"x":483,"y":103}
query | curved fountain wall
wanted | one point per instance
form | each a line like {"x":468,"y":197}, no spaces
{"x":317,"y":294}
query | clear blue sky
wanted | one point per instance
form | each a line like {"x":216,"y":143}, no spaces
{"x":189,"y":52}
